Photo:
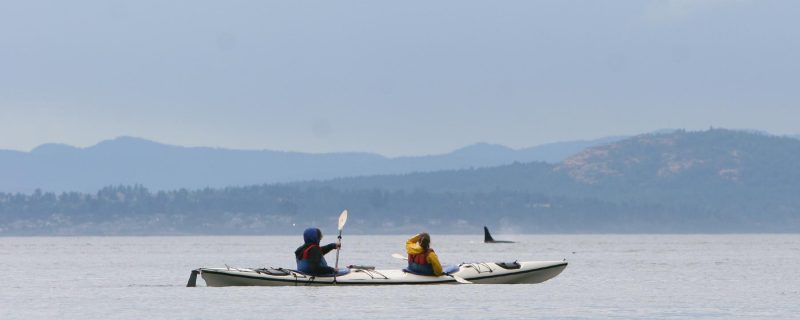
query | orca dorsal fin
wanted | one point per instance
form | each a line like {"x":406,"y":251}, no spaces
{"x":486,"y":236}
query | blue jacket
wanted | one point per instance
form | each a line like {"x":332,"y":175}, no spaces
{"x":309,"y":256}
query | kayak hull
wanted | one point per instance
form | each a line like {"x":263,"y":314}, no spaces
{"x":481,"y":273}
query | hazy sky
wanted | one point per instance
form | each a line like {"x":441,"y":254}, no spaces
{"x":393,"y":77}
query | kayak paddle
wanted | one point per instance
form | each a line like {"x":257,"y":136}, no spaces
{"x":342,"y":221}
{"x":457,"y":278}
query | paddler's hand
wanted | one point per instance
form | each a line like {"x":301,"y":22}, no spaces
{"x":339,"y":246}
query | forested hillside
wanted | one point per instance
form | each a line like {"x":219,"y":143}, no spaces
{"x":710,"y":181}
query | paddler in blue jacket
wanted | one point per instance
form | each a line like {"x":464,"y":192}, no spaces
{"x":421,"y":258}
{"x":309,"y":256}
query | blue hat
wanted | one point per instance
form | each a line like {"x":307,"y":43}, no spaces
{"x":312,"y":235}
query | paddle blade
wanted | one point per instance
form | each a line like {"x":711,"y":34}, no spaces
{"x":399,"y":256}
{"x":461,"y":280}
{"x":342,"y":219}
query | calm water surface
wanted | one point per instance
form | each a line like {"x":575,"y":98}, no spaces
{"x":609,"y":276}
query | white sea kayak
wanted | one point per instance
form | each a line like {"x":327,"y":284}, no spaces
{"x":482,"y":273}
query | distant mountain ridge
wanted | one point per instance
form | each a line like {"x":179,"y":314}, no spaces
{"x":129,"y":160}
{"x":681,"y":158}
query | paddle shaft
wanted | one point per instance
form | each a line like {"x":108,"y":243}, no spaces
{"x":336,"y":265}
{"x":342,"y":221}
{"x":455,"y":277}
{"x":338,"y":245}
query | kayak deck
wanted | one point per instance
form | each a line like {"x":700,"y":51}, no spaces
{"x":481,"y":273}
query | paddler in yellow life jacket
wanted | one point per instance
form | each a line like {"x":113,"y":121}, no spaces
{"x":421,"y":258}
